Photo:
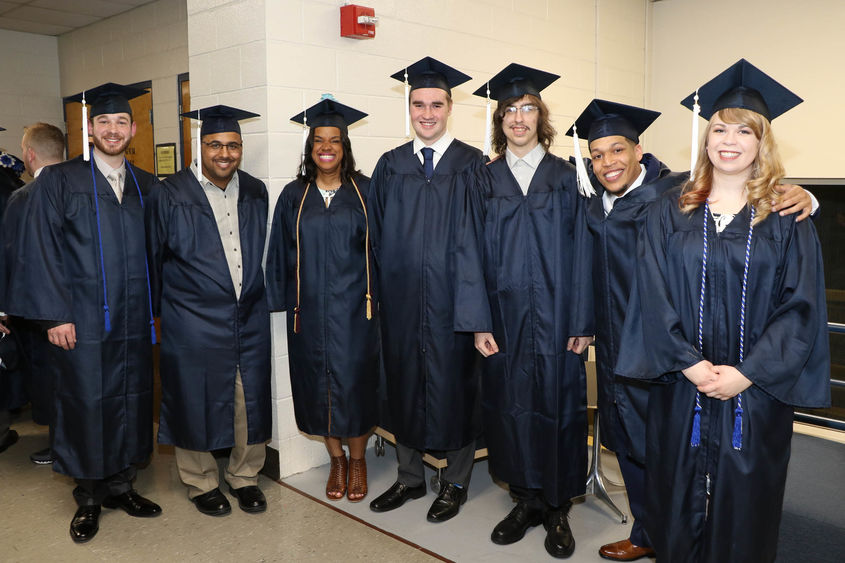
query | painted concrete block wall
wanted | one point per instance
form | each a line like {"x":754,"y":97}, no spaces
{"x":797,"y":43}
{"x":277,"y":57}
{"x":147,"y":43}
{"x":29,"y":89}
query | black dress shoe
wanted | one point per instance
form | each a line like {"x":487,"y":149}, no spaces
{"x":513,"y":527}
{"x":85,"y":523}
{"x":559,"y":541}
{"x":134,"y":504}
{"x":395,"y":496}
{"x":42,"y":457}
{"x":250,"y":498}
{"x":9,"y":439}
{"x":448,"y":502}
{"x":213,"y":503}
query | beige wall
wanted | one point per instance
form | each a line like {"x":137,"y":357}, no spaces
{"x":147,"y":43}
{"x":29,"y":87}
{"x":800,"y":44}
{"x":276,"y":57}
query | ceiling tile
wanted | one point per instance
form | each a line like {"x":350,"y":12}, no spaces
{"x":33,"y":27}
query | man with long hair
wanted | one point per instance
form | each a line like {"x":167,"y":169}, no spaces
{"x":529,"y":327}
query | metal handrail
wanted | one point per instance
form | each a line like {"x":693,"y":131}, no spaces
{"x":836,"y":327}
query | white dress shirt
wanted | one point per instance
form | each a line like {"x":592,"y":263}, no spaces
{"x":439,"y":146}
{"x":523,"y":169}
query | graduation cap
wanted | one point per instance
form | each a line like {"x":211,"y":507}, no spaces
{"x":217,"y":119}
{"x":741,"y":85}
{"x":108,"y":98}
{"x":603,"y":118}
{"x":2,"y":128}
{"x":103,"y":99}
{"x":427,"y":73}
{"x":328,"y":112}
{"x":515,"y":81}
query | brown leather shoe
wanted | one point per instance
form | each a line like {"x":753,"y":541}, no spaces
{"x":357,"y":479}
{"x":625,"y":551}
{"x":336,"y":485}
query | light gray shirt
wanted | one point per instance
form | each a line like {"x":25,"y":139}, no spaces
{"x":523,"y":169}
{"x":224,"y":205}
{"x":106,"y":170}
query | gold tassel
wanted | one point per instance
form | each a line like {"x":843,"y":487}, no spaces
{"x":296,"y":320}
{"x":369,"y":307}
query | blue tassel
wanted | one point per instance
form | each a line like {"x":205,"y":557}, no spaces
{"x":108,"y":320}
{"x":153,"y":331}
{"x":695,"y":439}
{"x":736,"y":439}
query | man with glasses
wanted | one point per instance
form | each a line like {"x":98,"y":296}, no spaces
{"x":206,"y":241}
{"x":534,"y":393}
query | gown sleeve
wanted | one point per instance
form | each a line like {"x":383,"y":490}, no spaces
{"x":156,"y":218}
{"x":582,"y":321}
{"x":791,"y":359}
{"x":653,"y":345}
{"x":472,"y":307}
{"x":276,"y":270}
{"x":375,"y":207}
{"x":45,"y":294}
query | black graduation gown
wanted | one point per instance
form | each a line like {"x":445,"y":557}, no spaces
{"x":432,"y":373}
{"x":207,"y":332}
{"x":103,"y":396}
{"x":786,"y":358}
{"x":622,"y":403}
{"x":533,"y":391}
{"x":334,"y":357}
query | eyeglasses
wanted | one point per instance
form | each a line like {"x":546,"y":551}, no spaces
{"x":216,"y":146}
{"x":527,"y":109}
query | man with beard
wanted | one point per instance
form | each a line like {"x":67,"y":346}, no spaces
{"x":85,"y":279}
{"x":416,"y":200}
{"x":631,"y":181}
{"x":207,"y":229}
{"x":529,"y":327}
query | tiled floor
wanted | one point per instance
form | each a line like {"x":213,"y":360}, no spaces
{"x":36,"y":507}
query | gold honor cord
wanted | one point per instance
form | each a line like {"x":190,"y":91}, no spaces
{"x":369,"y":297}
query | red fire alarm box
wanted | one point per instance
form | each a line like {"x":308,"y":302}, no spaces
{"x":357,"y":22}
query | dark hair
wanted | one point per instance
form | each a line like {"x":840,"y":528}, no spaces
{"x":545,"y":132}
{"x":347,"y":165}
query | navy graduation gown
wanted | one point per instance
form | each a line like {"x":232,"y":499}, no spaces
{"x":622,"y":403}
{"x":533,"y":390}
{"x":432,"y":373}
{"x":207,"y":332}
{"x":786,"y":358}
{"x":334,"y":357}
{"x":103,"y":395}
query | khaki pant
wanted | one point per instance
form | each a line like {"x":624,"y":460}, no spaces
{"x":198,"y":470}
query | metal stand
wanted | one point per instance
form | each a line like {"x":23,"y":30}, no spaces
{"x":595,"y":476}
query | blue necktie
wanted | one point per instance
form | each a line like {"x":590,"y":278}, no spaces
{"x":428,"y":162}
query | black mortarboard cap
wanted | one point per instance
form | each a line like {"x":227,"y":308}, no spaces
{"x":109,"y":98}
{"x":515,"y":81}
{"x":743,"y":85}
{"x":328,"y":112}
{"x":219,"y":119}
{"x":431,"y":73}
{"x":602,"y":118}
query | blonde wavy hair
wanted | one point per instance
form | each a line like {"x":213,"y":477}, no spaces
{"x":767,"y":169}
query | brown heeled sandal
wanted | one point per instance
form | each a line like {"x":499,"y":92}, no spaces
{"x":336,"y":485}
{"x":357,"y":479}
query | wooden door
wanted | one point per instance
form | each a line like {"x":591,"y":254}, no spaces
{"x":185,"y":125}
{"x":141,"y":151}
